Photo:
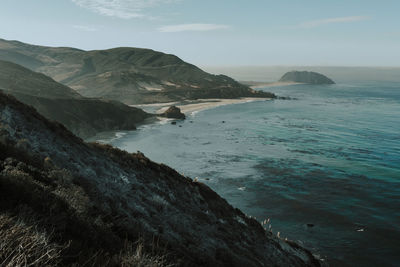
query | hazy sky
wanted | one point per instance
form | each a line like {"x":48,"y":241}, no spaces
{"x":218,"y":32}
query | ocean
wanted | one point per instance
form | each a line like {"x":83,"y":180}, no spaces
{"x":324,"y":167}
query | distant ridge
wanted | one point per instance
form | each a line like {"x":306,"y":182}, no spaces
{"x":308,"y":77}
{"x":129,"y":75}
{"x":83,"y":116}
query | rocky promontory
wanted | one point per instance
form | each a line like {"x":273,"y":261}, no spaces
{"x":126,"y":74}
{"x":307,"y":77}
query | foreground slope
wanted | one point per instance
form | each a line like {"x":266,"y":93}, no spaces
{"x":129,"y":75}
{"x":93,"y":197}
{"x":84,"y":117}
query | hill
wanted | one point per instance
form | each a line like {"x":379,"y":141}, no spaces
{"x":307,"y":77}
{"x":84,"y":117}
{"x":129,"y":75}
{"x":70,"y":202}
{"x":18,"y":79}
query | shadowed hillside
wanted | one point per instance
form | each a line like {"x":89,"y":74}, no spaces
{"x":90,"y":203}
{"x":83,"y":116}
{"x":129,"y":75}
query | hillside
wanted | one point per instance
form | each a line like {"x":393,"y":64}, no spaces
{"x":84,"y":117}
{"x":307,"y":77}
{"x":90,"y":203}
{"x":129,"y":75}
{"x":18,"y":79}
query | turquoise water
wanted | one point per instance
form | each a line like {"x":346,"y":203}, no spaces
{"x":330,"y":158}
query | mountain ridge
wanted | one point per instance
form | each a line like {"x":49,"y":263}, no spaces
{"x":129,"y":75}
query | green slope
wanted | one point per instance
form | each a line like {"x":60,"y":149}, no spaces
{"x":130,"y":75}
{"x":83,"y":116}
{"x":18,"y":79}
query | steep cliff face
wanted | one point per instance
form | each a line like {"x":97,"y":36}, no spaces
{"x":129,"y":75}
{"x":307,"y":77}
{"x":96,"y":198}
{"x":83,"y":116}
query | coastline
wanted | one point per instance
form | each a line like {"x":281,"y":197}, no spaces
{"x":258,"y":85}
{"x":192,"y":106}
{"x":188,"y":107}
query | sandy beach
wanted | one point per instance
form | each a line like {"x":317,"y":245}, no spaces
{"x":189,"y":107}
{"x":203,"y":104}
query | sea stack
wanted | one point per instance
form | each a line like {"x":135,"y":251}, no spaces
{"x":174,"y":112}
{"x":307,"y":77}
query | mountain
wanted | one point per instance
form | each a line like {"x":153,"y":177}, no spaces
{"x":83,"y":116}
{"x":308,"y":77}
{"x":68,"y":202}
{"x":129,"y":75}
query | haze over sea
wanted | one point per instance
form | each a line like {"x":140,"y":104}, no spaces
{"x":324,"y":167}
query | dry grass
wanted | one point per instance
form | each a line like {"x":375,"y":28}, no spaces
{"x":24,"y":245}
{"x":135,"y":255}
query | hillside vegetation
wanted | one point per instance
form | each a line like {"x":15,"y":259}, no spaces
{"x":129,"y":75}
{"x":83,"y":116}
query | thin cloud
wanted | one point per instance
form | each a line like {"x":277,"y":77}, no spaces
{"x":196,"y":27}
{"x":85,"y":28}
{"x":124,"y":9}
{"x":317,"y":23}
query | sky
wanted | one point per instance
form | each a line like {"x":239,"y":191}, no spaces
{"x":218,"y":32}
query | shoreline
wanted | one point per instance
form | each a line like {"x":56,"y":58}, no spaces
{"x":258,"y":85}
{"x":192,"y":106}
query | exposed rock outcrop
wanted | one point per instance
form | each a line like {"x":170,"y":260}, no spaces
{"x":307,"y":77}
{"x":174,"y":112}
{"x":95,"y":198}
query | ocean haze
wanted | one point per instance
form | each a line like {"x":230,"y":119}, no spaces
{"x":339,"y":74}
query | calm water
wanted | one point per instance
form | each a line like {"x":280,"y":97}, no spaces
{"x":330,"y":158}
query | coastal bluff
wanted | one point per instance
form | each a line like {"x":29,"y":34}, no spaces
{"x":91,"y":203}
{"x":307,"y":77}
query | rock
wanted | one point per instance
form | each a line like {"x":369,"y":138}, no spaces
{"x":174,"y":113}
{"x":173,"y":123}
{"x":308,"y":77}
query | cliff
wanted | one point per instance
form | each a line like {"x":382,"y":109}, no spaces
{"x":307,"y":77}
{"x":67,"y":202}
{"x":129,"y":75}
{"x":83,"y":116}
